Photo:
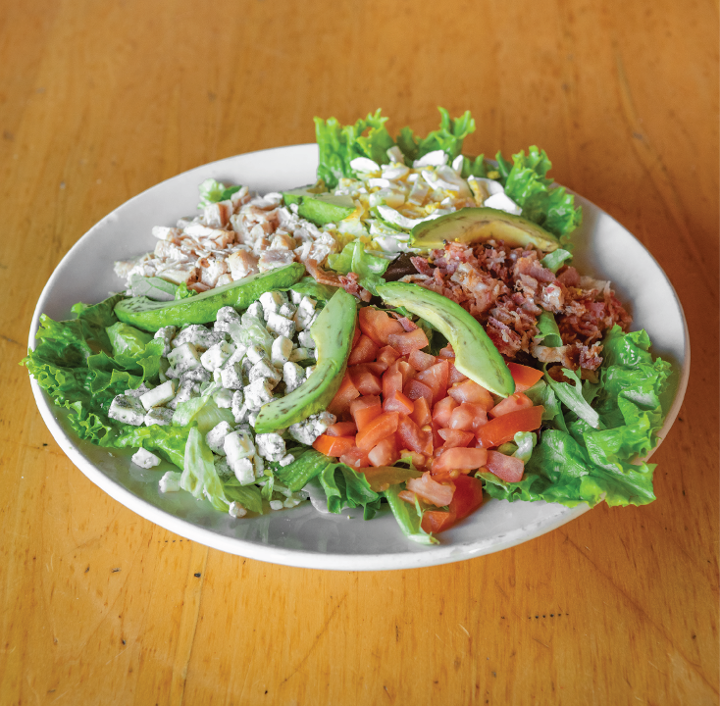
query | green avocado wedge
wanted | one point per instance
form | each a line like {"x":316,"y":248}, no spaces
{"x":333,"y":334}
{"x":319,"y":207}
{"x":150,"y":315}
{"x":470,"y":225}
{"x":475,"y":354}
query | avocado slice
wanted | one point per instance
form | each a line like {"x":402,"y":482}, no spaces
{"x":469,"y":225}
{"x":150,"y":315}
{"x":475,"y":354}
{"x":333,"y":334}
{"x":319,"y":208}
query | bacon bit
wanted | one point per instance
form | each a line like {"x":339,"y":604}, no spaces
{"x":351,"y":285}
{"x":506,"y":289}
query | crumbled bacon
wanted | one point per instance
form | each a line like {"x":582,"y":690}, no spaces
{"x":507,"y":288}
{"x":350,"y":283}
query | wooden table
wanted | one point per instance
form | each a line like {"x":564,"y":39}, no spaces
{"x":100,"y":100}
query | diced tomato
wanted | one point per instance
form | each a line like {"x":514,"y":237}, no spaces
{"x":459,"y":459}
{"x":373,"y":367}
{"x":384,"y":453}
{"x":436,"y":378}
{"x":501,"y":429}
{"x":333,"y":445}
{"x":446,"y":352}
{"x":408,"y":496}
{"x":344,"y":396}
{"x":507,"y":468}
{"x":524,"y":376}
{"x":387,"y":355}
{"x":415,"y":389}
{"x":513,"y":403}
{"x":443,"y":410}
{"x":429,"y":489}
{"x":434,"y":521}
{"x":454,"y":375}
{"x":470,"y":391}
{"x":378,"y":325}
{"x":402,"y":366}
{"x":356,"y":336}
{"x":420,"y":360}
{"x":355,"y":458}
{"x":467,"y":416}
{"x":392,"y":381}
{"x":437,"y":439}
{"x":397,"y":402}
{"x":380,"y":427}
{"x":365,"y":382}
{"x":342,"y":429}
{"x":364,"y":351}
{"x":454,"y":438}
{"x":408,"y":341}
{"x":365,"y":409}
{"x":468,"y":496}
{"x":412,"y":437}
{"x":421,"y":413}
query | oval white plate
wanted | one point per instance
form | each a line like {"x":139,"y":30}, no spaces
{"x":302,"y":537}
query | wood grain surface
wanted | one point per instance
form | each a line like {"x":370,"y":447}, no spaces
{"x":101,"y":99}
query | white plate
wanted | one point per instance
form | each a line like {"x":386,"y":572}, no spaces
{"x":302,"y":537}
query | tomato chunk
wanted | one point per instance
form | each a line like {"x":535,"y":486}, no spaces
{"x":419,"y":460}
{"x":421,"y":412}
{"x":442,"y":411}
{"x":507,"y":468}
{"x":467,"y":416}
{"x":377,"y":430}
{"x":513,"y":403}
{"x":412,"y":437}
{"x":365,"y":409}
{"x":344,"y":396}
{"x":436,"y":378}
{"x":397,"y":402}
{"x":459,"y":459}
{"x":364,"y":351}
{"x":392,"y":381}
{"x":365,"y":382}
{"x":416,"y":389}
{"x":342,"y":429}
{"x":455,"y":375}
{"x":420,"y":360}
{"x":387,"y":355}
{"x":470,"y":391}
{"x":468,"y":496}
{"x":455,"y":437}
{"x":333,"y":445}
{"x":384,"y":453}
{"x":434,"y":521}
{"x":501,"y":429}
{"x":429,"y":489}
{"x":378,"y":325}
{"x":408,"y":341}
{"x":355,"y":458}
{"x":446,"y":352}
{"x":524,"y":376}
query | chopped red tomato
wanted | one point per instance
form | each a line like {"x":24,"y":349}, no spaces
{"x":392,"y":381}
{"x":446,"y":352}
{"x":513,"y":403}
{"x":344,"y":396}
{"x":430,"y":490}
{"x":365,"y":409}
{"x":412,"y":437}
{"x":454,"y":375}
{"x":507,"y":468}
{"x":455,"y":437}
{"x":524,"y":376}
{"x":342,"y":429}
{"x":397,"y":402}
{"x":436,"y":378}
{"x":467,"y":416}
{"x":416,"y":389}
{"x":333,"y":445}
{"x":420,"y":360}
{"x":387,"y":355}
{"x":459,"y":459}
{"x":384,"y":453}
{"x":421,"y":412}
{"x":364,"y":351}
{"x":408,"y":341}
{"x":355,"y":458}
{"x":418,"y":460}
{"x":377,"y":430}
{"x":442,"y":411}
{"x":468,"y":496}
{"x":365,"y":382}
{"x":378,"y":325}
{"x":501,"y":429}
{"x":470,"y":391}
{"x":435,"y":521}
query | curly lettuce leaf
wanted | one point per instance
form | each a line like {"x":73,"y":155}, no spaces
{"x":368,"y":267}
{"x":575,"y":462}
{"x":212,"y":191}
{"x":449,"y":138}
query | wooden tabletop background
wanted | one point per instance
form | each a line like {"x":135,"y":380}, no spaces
{"x":101,"y":99}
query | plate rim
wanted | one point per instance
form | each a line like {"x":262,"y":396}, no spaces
{"x":301,"y":558}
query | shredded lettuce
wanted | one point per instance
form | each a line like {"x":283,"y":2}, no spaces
{"x":554,"y":260}
{"x":368,"y":267}
{"x":199,"y":476}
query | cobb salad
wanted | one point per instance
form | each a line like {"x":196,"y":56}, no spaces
{"x":408,"y":330}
